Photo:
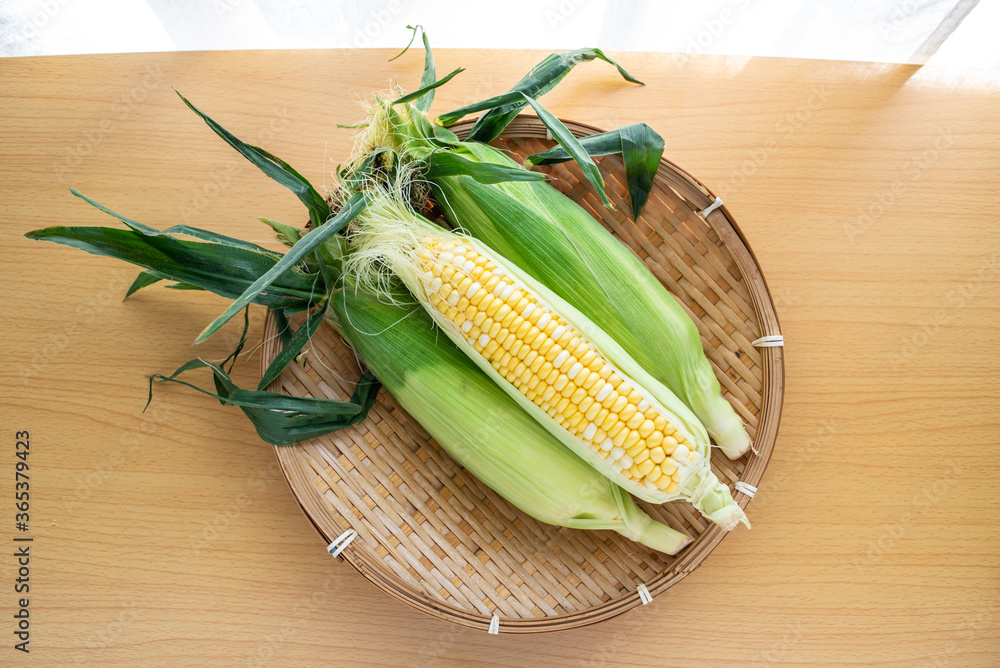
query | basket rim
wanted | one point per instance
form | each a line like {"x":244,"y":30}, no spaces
{"x":772,"y":399}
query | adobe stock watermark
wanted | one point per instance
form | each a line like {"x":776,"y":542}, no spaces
{"x":956,"y":298}
{"x":437,"y":647}
{"x":912,"y":171}
{"x":109,"y":634}
{"x":890,"y":534}
{"x":47,"y":10}
{"x":221,"y":179}
{"x":376,"y":22}
{"x":712,"y":29}
{"x":609,"y":651}
{"x":228,"y":514}
{"x":970,"y":629}
{"x":788,"y":640}
{"x":128,"y":450}
{"x":52,"y":344}
{"x":267,"y":652}
{"x":562,"y":12}
{"x":784,"y":128}
{"x":800,"y":457}
{"x":902,"y":12}
{"x":119,"y":111}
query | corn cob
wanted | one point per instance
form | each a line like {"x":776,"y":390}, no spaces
{"x":582,"y":386}
{"x":484,"y":429}
{"x":558,"y":243}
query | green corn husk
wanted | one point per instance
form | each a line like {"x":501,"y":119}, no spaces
{"x":385,"y":238}
{"x":558,"y":243}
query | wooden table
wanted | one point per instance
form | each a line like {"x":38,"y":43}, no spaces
{"x":868,"y":192}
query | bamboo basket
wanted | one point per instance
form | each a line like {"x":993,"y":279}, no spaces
{"x":434,"y":537}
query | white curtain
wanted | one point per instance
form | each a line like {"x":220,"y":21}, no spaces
{"x":941,"y":32}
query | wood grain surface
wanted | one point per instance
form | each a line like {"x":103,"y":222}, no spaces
{"x":868,"y":193}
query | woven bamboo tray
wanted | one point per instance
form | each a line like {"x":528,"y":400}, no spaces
{"x":431,"y":535}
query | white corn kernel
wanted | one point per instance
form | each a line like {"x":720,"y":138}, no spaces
{"x":604,"y":392}
{"x":589,"y":432}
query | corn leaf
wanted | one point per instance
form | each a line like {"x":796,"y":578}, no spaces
{"x":224,"y":270}
{"x":428,"y":89}
{"x":572,"y":145}
{"x":447,"y":163}
{"x":605,"y":143}
{"x":206,"y":235}
{"x":242,"y":342}
{"x":642,"y":149}
{"x":413,"y":36}
{"x":274,"y":167}
{"x":278,"y":418}
{"x":306,"y":245}
{"x":501,"y":109}
{"x":292,"y":347}
{"x":423,"y":104}
{"x":144,"y":279}
{"x":640,"y":146}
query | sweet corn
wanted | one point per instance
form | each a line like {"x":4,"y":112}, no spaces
{"x":503,"y":341}
{"x":555,"y":241}
{"x":483,"y":428}
{"x":519,"y":315}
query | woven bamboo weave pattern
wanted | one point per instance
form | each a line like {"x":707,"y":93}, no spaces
{"x":435,"y":537}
